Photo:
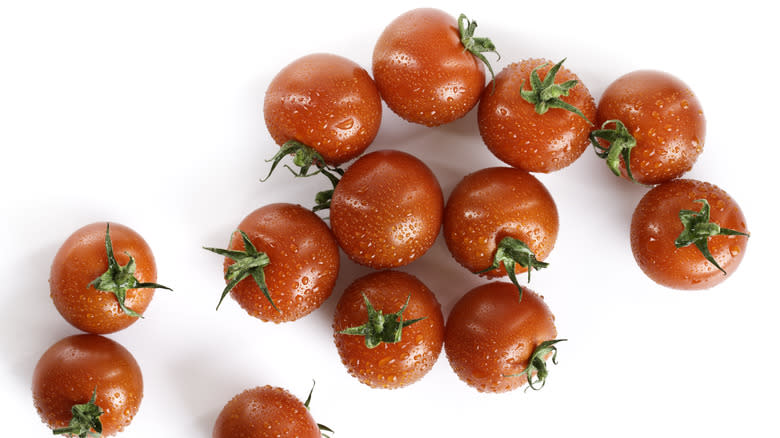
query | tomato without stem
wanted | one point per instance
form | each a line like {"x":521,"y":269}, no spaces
{"x":91,"y":292}
{"x":495,"y":342}
{"x":663,"y":117}
{"x":285,"y":264}
{"x":398,"y":348}
{"x":74,"y":369}
{"x":387,"y":209}
{"x":657,"y":230}
{"x":531,"y":134}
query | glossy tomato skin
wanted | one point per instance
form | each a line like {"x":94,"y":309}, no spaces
{"x":304,"y":262}
{"x":656,"y":224}
{"x":422,"y":70}
{"x":81,"y":259}
{"x":491,"y":335}
{"x":494,"y":203}
{"x":326,"y":102}
{"x":390,"y":365}
{"x":387,"y":209}
{"x":665,"y":118}
{"x":265,"y":412}
{"x":518,"y":136}
{"x":71,"y":369}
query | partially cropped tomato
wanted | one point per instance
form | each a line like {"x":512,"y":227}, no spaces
{"x":102,"y":277}
{"x":87,"y":383}
{"x":388,"y":329}
{"x":663,"y":126}
{"x":325,"y":102}
{"x":387,"y":209}
{"x":281,"y":263}
{"x":265,"y":412}
{"x":500,"y":216}
{"x":496,"y":343}
{"x":538,"y":118}
{"x":427,"y":66}
{"x":688,"y":234}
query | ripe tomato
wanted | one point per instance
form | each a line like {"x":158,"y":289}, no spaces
{"x":102,"y":278}
{"x":387,"y":209}
{"x":427,"y":66}
{"x":495,"y":343}
{"x":388,"y":329}
{"x":325,"y":102}
{"x":657,"y":237}
{"x":530,"y":133}
{"x":281,"y":264}
{"x":494,"y":209}
{"x":93,"y":372}
{"x":664,"y":119}
{"x":265,"y":412}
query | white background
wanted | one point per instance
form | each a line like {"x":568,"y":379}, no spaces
{"x":150,"y":114}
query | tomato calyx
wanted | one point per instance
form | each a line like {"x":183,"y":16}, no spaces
{"x":249,"y":262}
{"x":513,"y":252}
{"x":538,"y":365}
{"x":476,"y":45}
{"x":85,"y":420}
{"x":323,"y":428}
{"x":697,"y":229}
{"x":620,"y":144}
{"x":545,"y":94}
{"x":304,"y":157}
{"x":119,"y":279}
{"x":380,"y":327}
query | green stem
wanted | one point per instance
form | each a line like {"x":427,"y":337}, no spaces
{"x":476,"y":45}
{"x":620,"y":144}
{"x":380,"y":327}
{"x":323,"y":428}
{"x":512,"y":252}
{"x":304,"y":157}
{"x":86,"y":418}
{"x":545,"y":94}
{"x":538,"y":365}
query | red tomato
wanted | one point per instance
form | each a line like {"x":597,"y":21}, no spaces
{"x":387,"y":209}
{"x":326,"y":102}
{"x":664,"y":118}
{"x":265,"y":412}
{"x":424,"y":71}
{"x":79,"y":367}
{"x":494,"y":204}
{"x":389,"y":346}
{"x":89,"y":291}
{"x":657,"y":231}
{"x":286,"y":266}
{"x":492,"y":338}
{"x":518,"y":134}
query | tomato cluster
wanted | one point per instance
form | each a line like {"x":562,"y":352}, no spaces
{"x":386,"y":210}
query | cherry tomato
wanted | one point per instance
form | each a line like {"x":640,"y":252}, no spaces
{"x":102,"y":278}
{"x":665,"y":122}
{"x":530,"y":133}
{"x":495,"y":342}
{"x":388,"y":329}
{"x":495,"y":208}
{"x":265,"y":412}
{"x":95,"y":374}
{"x":325,"y":102}
{"x":424,"y":71}
{"x":281,"y":263}
{"x":676,"y":258}
{"x":387,"y":209}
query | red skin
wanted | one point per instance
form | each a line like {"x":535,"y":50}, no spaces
{"x":494,"y":203}
{"x":81,"y":259}
{"x":491,"y":335}
{"x":326,"y":102}
{"x":304,"y":262}
{"x":656,"y":224}
{"x":69,"y":371}
{"x":665,"y":118}
{"x":422,"y":70}
{"x":518,"y":136}
{"x":390,"y":365}
{"x":387,"y":209}
{"x":265,"y":412}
